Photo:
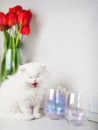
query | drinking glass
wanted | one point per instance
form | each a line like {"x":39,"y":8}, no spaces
{"x":77,"y":111}
{"x":54,"y":103}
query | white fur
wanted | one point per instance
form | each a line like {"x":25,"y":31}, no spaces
{"x":18,"y":100}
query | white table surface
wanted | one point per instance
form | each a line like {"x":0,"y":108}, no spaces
{"x":43,"y":123}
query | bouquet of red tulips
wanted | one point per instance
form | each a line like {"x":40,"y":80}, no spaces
{"x":14,"y":25}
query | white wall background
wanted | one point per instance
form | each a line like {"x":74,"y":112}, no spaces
{"x":65,"y":36}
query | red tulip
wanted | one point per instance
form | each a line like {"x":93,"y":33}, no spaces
{"x":2,"y":19}
{"x":2,"y":28}
{"x":30,"y":15}
{"x":16,"y":10}
{"x":24,"y":17}
{"x":11,"y":19}
{"x":25,"y":30}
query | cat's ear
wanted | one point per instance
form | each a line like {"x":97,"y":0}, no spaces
{"x":21,"y":69}
{"x":43,"y":66}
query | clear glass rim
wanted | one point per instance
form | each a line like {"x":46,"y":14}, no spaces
{"x":56,"y":88}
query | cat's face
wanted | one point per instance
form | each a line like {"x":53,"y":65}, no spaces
{"x":32,"y":73}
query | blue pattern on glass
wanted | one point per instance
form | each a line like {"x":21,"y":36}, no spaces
{"x":55,"y":104}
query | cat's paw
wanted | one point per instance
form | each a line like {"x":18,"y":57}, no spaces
{"x":37,"y":115}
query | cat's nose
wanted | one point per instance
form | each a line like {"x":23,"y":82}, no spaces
{"x":35,"y":81}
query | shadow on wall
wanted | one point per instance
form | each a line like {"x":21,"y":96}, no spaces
{"x":63,"y":82}
{"x":30,"y":41}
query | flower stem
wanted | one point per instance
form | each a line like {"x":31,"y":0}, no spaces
{"x":3,"y":72}
{"x":13,"y":56}
{"x":18,"y":35}
{"x":5,"y":52}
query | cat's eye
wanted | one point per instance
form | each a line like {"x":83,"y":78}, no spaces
{"x":38,"y":75}
{"x":30,"y":77}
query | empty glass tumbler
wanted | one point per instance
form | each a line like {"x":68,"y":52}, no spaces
{"x":55,"y":103}
{"x":77,"y":111}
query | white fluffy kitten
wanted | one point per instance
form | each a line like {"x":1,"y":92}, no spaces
{"x":21,"y":95}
